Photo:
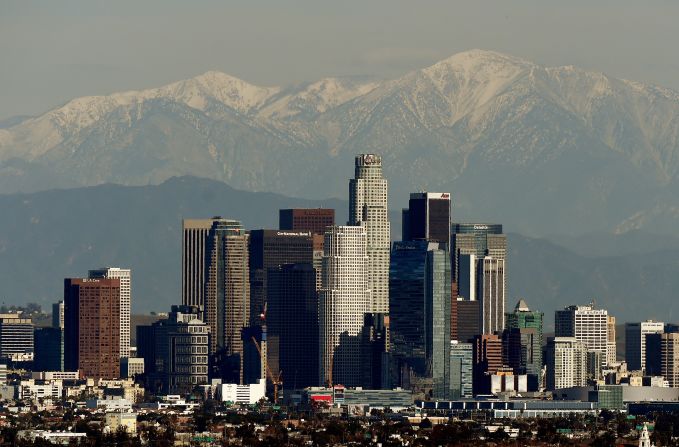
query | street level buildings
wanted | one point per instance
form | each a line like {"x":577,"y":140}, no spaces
{"x":368,"y":208}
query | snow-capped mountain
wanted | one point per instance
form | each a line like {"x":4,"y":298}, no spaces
{"x":509,"y":138}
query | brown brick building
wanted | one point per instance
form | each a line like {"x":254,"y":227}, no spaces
{"x":92,"y":327}
{"x":316,"y":220}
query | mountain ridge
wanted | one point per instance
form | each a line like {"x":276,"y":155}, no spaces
{"x":486,"y":126}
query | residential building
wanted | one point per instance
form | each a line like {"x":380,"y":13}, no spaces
{"x":368,"y":208}
{"x":566,"y":363}
{"x":315,"y":220}
{"x":344,"y":300}
{"x":92,"y":327}
{"x":635,"y":342}
{"x":125,"y":276}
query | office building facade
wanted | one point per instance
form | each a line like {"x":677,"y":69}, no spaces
{"x":194,"y":239}
{"x":314,"y":220}
{"x":461,"y":370}
{"x":523,"y":342}
{"x":635,"y":342}
{"x":427,"y":217}
{"x":588,"y":325}
{"x":49,"y":349}
{"x":465,"y":320}
{"x":92,"y":327}
{"x":58,"y":314}
{"x":487,"y":361}
{"x":669,"y":358}
{"x":368,"y":208}
{"x":16,"y":337}
{"x":125,"y":277}
{"x":292,"y":324}
{"x":344,"y":300}
{"x":227,"y":287}
{"x":270,"y":249}
{"x":478,"y":239}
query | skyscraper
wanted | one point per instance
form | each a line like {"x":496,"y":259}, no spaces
{"x":487,"y":360}
{"x":523,"y":343}
{"x":368,"y":208}
{"x":635,"y":342}
{"x":124,"y":275}
{"x":92,"y":327}
{"x":227,"y":288}
{"x":194,"y":239}
{"x":344,"y":300}
{"x":588,"y":325}
{"x":292,"y":324}
{"x":566,"y":363}
{"x":427,"y":217}
{"x":669,"y":358}
{"x":420,"y":306}
{"x":315,"y":220}
{"x":478,"y":239}
{"x":270,"y":249}
{"x":49,"y":349}
{"x":484,"y":280}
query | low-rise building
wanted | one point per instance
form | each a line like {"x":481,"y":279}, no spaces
{"x":247,"y":394}
{"x":54,"y":437}
{"x":116,"y":420}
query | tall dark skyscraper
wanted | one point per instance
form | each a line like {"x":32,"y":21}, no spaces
{"x":315,"y":220}
{"x":427,"y":217}
{"x":420,"y":303}
{"x":92,"y":327}
{"x":270,"y":249}
{"x":292,"y":324}
{"x":49,"y":349}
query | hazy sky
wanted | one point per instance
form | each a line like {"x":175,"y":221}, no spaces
{"x":52,"y":51}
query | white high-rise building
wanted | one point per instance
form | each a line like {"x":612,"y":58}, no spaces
{"x":368,"y":208}
{"x":344,"y":300}
{"x":566,"y":363}
{"x":125,"y":277}
{"x":635,"y":342}
{"x":588,"y":325}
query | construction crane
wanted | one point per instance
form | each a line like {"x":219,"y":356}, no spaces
{"x":275,"y":381}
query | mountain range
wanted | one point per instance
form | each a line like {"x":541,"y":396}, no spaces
{"x":49,"y":235}
{"x":544,"y":150}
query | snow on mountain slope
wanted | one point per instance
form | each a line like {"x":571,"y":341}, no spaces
{"x":475,"y":114}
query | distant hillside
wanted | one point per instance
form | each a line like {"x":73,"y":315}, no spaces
{"x":50,"y":235}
